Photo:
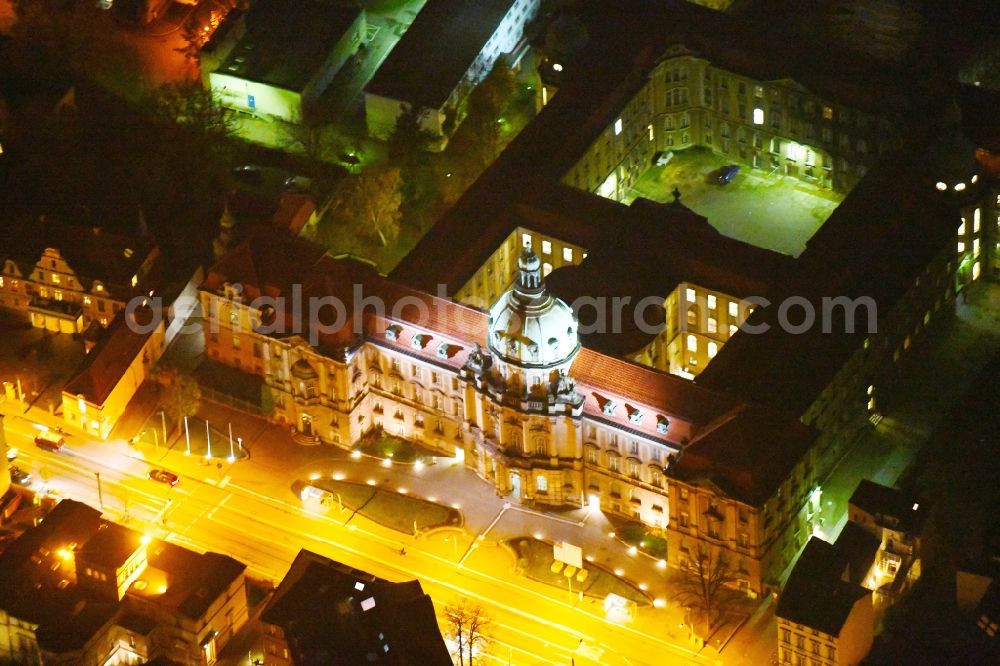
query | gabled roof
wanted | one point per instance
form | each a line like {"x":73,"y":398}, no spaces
{"x":334,"y":615}
{"x":815,"y":595}
{"x":93,"y":254}
{"x":108,"y":362}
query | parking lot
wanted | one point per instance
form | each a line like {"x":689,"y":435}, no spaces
{"x":776,"y":212}
{"x":42,"y":362}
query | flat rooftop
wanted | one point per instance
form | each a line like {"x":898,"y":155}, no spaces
{"x":287,"y":41}
{"x":439,"y":47}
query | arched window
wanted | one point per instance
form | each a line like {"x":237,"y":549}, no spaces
{"x":692,"y":316}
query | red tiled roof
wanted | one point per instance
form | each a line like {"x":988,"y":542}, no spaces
{"x":108,"y":362}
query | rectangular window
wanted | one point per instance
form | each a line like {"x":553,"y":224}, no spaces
{"x":546,"y":247}
{"x":526,"y":240}
{"x":567,"y":254}
{"x":689,"y":295}
{"x":618,"y":127}
{"x":711,"y":301}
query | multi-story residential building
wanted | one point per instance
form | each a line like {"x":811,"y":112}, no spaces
{"x":823,"y":618}
{"x":446,"y":51}
{"x":77,"y":589}
{"x":377,"y":621}
{"x":65,"y":277}
{"x":896,"y":519}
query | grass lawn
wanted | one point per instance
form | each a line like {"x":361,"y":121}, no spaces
{"x":535,"y":559}
{"x":379,"y":444}
{"x":390,"y":509}
{"x":636,"y":534}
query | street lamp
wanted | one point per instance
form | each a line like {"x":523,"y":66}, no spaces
{"x":232,"y":455}
{"x":187,"y":437}
{"x":208,"y":440}
{"x":163,"y":421}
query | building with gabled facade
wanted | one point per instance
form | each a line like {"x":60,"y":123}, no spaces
{"x":66,"y":277}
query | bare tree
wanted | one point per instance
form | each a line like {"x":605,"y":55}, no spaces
{"x":310,"y":136}
{"x":371,"y":200}
{"x":468,"y":623}
{"x":181,"y":397}
{"x":705,"y":587}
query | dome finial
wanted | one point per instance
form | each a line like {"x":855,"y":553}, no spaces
{"x":529,"y":279}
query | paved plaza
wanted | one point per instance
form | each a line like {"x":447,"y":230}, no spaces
{"x":775,"y":212}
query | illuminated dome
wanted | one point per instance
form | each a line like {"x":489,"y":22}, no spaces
{"x":528,"y":326}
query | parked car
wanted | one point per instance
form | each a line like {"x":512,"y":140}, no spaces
{"x":727,"y":173}
{"x":163,"y":476}
{"x":663,"y":157}
{"x":19,"y":476}
{"x":50,"y":441}
{"x":298,"y":183}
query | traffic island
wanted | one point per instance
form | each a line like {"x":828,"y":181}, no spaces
{"x":402,"y":513}
{"x":535,"y":560}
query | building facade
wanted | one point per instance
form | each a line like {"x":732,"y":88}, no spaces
{"x":772,"y":125}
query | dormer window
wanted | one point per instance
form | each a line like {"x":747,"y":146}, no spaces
{"x":609,"y":407}
{"x":635,"y":415}
{"x":419,"y":341}
{"x":392,"y":332}
{"x":662,"y":424}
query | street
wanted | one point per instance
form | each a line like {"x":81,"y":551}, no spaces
{"x":208,"y":510}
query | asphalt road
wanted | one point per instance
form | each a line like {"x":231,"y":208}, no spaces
{"x":208,"y":511}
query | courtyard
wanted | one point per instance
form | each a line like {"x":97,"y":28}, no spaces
{"x":37,"y":363}
{"x":771,"y":211}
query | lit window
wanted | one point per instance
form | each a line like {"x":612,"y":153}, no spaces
{"x":692,"y":343}
{"x":711,"y":301}
{"x":567,"y":254}
{"x":732,"y":329}
{"x":827,"y":113}
{"x":526,"y":240}
{"x":975,"y":247}
{"x":649,"y":129}
{"x":941,"y":186}
{"x":546,"y":269}
{"x":135,"y":280}
{"x":556,"y":67}
{"x":975,"y":271}
{"x":541,"y":484}
{"x":1,"y":282}
{"x":975,"y":221}
{"x":618,"y":127}
{"x":55,"y":278}
{"x":99,"y":287}
{"x":713,"y":349}
{"x":871,"y":389}
{"x":975,"y":179}
{"x":959,"y":187}
{"x":689,"y":295}
{"x":713,"y":325}
{"x":733,"y":309}
{"x":758,"y":116}
{"x":961,"y":228}
{"x":86,"y":300}
{"x":961,"y":247}
{"x":546,"y":247}
{"x":58,"y":294}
